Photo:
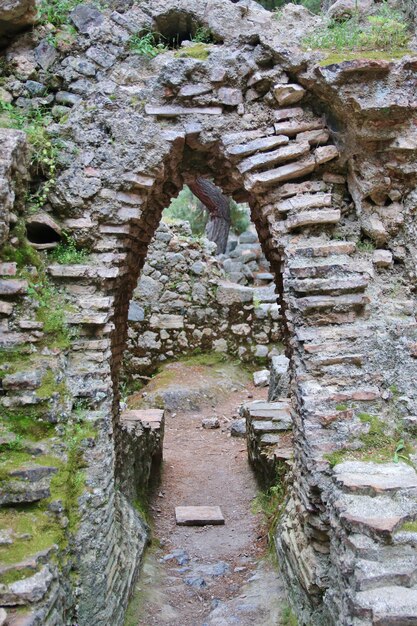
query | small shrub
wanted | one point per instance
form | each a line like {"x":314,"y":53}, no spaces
{"x":147,"y":45}
{"x":67,"y":253}
{"x":56,"y":12}
{"x":44,"y":152}
{"x":202,"y":35}
{"x":386,"y":30}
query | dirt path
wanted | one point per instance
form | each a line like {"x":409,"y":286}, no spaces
{"x":212,"y":575}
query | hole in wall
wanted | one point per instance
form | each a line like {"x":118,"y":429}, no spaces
{"x":43,"y":232}
{"x":177,"y":26}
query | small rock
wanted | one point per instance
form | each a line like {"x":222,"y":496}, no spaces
{"x":288,"y":94}
{"x":179,"y":555}
{"x":261,"y":378}
{"x":86,"y":17}
{"x":210,"y":423}
{"x":382,"y":258}
{"x":3,"y":617}
{"x":238,"y":428}
{"x":196,"y":581}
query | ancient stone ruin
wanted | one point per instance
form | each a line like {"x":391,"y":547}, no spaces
{"x":325,"y":156}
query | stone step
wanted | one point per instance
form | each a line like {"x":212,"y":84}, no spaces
{"x":400,"y":571}
{"x":294,"y":127}
{"x":268,"y":426}
{"x":377,"y":517}
{"x":27,"y":591}
{"x":304,"y":201}
{"x":334,"y":286}
{"x":350,"y":331}
{"x":27,"y":484}
{"x":265,"y":159}
{"x":342,"y":303}
{"x":324,"y":249}
{"x":313,"y":218}
{"x":387,"y":606}
{"x":296,"y":169}
{"x":257,"y":145}
{"x":375,"y":478}
{"x":323,"y":268}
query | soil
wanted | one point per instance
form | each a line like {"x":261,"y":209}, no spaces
{"x":210,"y":575}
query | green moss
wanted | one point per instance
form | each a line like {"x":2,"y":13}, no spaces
{"x":13,"y":575}
{"x":379,"y":55}
{"x":34,"y":530}
{"x":14,"y":359}
{"x":31,"y":423}
{"x":69,"y":483}
{"x":50,"y":386}
{"x":341,"y":407}
{"x":409,"y":527}
{"x":199,"y":51}
{"x":288,"y":618}
{"x":23,"y":254}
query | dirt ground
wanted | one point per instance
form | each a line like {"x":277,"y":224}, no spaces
{"x":211,"y":575}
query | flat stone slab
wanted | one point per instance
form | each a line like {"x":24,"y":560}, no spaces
{"x":375,"y":477}
{"x":198,"y":515}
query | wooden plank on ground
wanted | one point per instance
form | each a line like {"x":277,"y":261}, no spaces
{"x":198,"y":515}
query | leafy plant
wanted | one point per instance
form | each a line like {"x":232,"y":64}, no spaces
{"x":56,"y":12}
{"x":44,"y":153}
{"x":202,"y":35}
{"x":386,"y":30}
{"x":401,"y":447}
{"x":51,"y":310}
{"x":270,"y":502}
{"x":67,"y":253}
{"x":147,"y":45}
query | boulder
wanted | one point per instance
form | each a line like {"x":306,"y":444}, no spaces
{"x":261,"y":378}
{"x":15,"y":15}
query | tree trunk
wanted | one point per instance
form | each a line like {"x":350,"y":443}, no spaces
{"x":218,"y":207}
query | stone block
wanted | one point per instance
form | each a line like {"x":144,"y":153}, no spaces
{"x":12,"y":287}
{"x":261,"y":378}
{"x":257,"y":145}
{"x":175,"y":110}
{"x":382,"y":258}
{"x":229,"y":96}
{"x":230,"y":293}
{"x":288,"y":93}
{"x":167,"y":321}
{"x":198,"y":515}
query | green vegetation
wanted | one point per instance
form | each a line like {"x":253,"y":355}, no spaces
{"x":202,"y":35}
{"x":67,"y":253}
{"x":270,"y":502}
{"x":187,"y":207}
{"x":34,"y":528}
{"x":378,"y":55}
{"x":147,"y":44}
{"x":13,"y":359}
{"x":51,"y":311}
{"x":288,"y":618}
{"x":409,"y":527}
{"x":56,"y":12}
{"x":341,"y":407}
{"x":30,"y":423}
{"x":23,"y":255}
{"x":68,"y":484}
{"x":365,"y":246}
{"x":198,"y":51}
{"x":50,"y":386}
{"x":386,"y":30}
{"x":44,"y":152}
{"x":378,"y":445}
{"x":13,"y":575}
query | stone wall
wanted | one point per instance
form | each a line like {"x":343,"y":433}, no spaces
{"x":185,"y":301}
{"x":328,"y":169}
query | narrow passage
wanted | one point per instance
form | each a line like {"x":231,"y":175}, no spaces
{"x":211,"y":575}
